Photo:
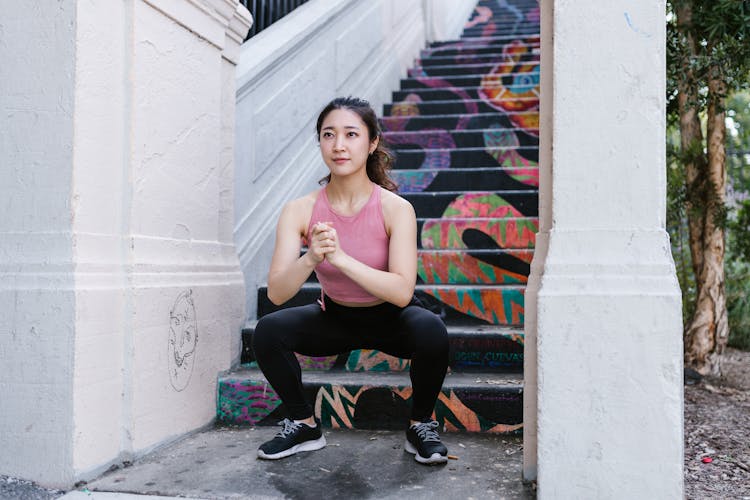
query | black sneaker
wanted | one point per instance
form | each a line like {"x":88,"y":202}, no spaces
{"x":292,"y":438}
{"x":423,"y":442}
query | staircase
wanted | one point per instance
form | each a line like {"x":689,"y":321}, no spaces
{"x":464,"y":126}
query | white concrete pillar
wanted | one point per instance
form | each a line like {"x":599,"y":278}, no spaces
{"x":116,"y":240}
{"x":605,"y":339}
{"x":37,"y":288}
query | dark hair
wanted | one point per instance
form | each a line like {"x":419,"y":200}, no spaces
{"x":380,"y":162}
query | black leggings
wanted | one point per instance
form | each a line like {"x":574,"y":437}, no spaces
{"x":411,"y":332}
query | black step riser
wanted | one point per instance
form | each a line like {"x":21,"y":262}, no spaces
{"x":454,"y":122}
{"x":456,"y":52}
{"x":450,"y":180}
{"x":462,"y":139}
{"x":488,"y":41}
{"x":481,"y":46}
{"x":500,"y":29}
{"x":477,"y":158}
{"x":461,"y":107}
{"x":462,"y":82}
{"x":446,"y":60}
{"x":431,"y":94}
{"x":432,"y":205}
{"x":468,"y":353}
{"x":494,"y":408}
{"x":477,"y":69}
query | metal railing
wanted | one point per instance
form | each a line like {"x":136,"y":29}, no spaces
{"x":267,"y":12}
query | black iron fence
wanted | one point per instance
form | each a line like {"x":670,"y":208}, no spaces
{"x":267,"y":12}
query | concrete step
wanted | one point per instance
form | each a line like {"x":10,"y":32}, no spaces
{"x":475,"y":266}
{"x":511,"y":156}
{"x":528,"y":119}
{"x":478,"y":233}
{"x":457,"y":106}
{"x":465,"y":69}
{"x":472,"y":402}
{"x":495,"y":6}
{"x":459,"y":49}
{"x":486,"y":41}
{"x":471,"y":179}
{"x":450,"y":81}
{"x":505,"y":21}
{"x":474,"y":204}
{"x":503,"y":15}
{"x":461,"y":139}
{"x":492,"y":89}
{"x":504,"y":18}
{"x":493,"y":29}
{"x":491,"y":349}
{"x":455,"y":304}
{"x":440,"y":59}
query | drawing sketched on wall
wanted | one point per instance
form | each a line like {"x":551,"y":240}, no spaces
{"x":183,"y":340}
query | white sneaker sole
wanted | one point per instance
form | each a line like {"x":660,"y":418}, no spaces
{"x":436,"y":458}
{"x":306,"y":446}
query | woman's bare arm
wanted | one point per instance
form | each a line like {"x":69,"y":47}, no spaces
{"x":288,"y":270}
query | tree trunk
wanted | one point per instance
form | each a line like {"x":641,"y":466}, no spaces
{"x":705,"y":180}
{"x":708,"y":330}
{"x":691,"y":138}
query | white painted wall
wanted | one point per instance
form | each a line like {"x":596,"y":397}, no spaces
{"x":287,"y":74}
{"x":541,"y":246}
{"x":118,"y":229}
{"x":608,"y":350}
{"x":445,"y":19}
{"x":37,"y":295}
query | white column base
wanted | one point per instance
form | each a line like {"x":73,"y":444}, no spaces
{"x":610,"y":398}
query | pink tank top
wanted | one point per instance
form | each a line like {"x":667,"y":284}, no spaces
{"x":362,"y":236}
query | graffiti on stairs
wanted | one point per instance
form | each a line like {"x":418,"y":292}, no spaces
{"x":503,"y":106}
{"x":366,"y":407}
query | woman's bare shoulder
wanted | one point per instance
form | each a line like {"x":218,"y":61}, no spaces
{"x":299,"y":210}
{"x":394,"y":204}
{"x":396,"y":211}
{"x":303,"y":202}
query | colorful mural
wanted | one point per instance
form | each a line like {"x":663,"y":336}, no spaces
{"x":465,"y":129}
{"x":494,"y":409}
{"x":486,"y":84}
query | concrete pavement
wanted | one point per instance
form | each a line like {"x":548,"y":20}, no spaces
{"x":221,"y":463}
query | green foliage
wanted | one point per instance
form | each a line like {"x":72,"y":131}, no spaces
{"x":737,"y":264}
{"x":715,"y":44}
{"x":739,"y":232}
{"x":738,"y":142}
{"x":720,"y":30}
{"x":678,"y":195}
{"x":738,"y":302}
{"x":677,"y":223}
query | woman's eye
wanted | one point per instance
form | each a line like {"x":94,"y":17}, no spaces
{"x":352,"y":134}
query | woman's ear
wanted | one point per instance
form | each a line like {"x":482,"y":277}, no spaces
{"x":374,"y":144}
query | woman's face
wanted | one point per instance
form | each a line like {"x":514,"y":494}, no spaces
{"x":345,"y":142}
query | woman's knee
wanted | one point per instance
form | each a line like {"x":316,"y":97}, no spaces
{"x":268,"y":333}
{"x":428,"y":330}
